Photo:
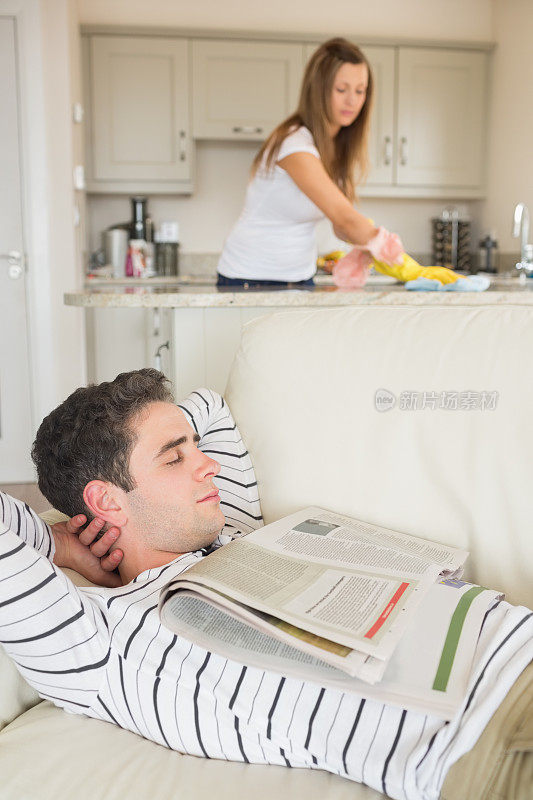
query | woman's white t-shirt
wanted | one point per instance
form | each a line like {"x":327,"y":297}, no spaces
{"x":274,"y":237}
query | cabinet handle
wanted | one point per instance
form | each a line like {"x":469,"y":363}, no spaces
{"x":387,"y":150}
{"x":182,"y":146}
{"x":246,"y":129}
{"x":157,"y":322}
{"x":157,"y":355}
{"x":404,"y":152}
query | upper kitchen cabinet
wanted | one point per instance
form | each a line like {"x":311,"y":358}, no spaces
{"x":429,"y":124}
{"x":381,"y":145}
{"x":441,"y":117}
{"x":428,"y":127}
{"x":242,"y":90}
{"x":137,"y":98}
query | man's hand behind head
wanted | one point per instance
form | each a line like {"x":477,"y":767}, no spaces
{"x":84,"y":550}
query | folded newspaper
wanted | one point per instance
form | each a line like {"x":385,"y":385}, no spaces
{"x":328,"y":598}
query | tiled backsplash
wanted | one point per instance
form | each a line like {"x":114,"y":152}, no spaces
{"x":206,"y":263}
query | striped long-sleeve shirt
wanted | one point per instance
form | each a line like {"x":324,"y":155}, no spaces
{"x":104,"y":653}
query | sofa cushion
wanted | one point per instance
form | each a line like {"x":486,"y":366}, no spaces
{"x":16,"y":695}
{"x":47,"y":754}
{"x":302,"y":390}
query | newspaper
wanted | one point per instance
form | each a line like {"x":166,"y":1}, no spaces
{"x":428,"y":672}
{"x":315,"y":586}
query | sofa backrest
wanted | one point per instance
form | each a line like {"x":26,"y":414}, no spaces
{"x":450,"y":460}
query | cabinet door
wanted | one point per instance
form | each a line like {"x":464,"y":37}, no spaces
{"x":139,"y":113}
{"x":116,"y":341}
{"x":242,"y":90}
{"x":441,"y":117}
{"x":124,"y":339}
{"x":382,"y":139}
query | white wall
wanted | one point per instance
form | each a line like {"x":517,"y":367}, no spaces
{"x":439,"y":19}
{"x":510,"y":175}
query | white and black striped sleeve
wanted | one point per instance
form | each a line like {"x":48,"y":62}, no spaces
{"x":209,"y":415}
{"x":56,"y":635}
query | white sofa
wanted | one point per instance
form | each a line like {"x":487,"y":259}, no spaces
{"x":303,"y":391}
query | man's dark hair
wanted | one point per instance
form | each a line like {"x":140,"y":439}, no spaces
{"x":90,"y":436}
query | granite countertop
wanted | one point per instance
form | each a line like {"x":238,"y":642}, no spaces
{"x":200,"y":292}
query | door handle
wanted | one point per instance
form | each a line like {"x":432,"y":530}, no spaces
{"x":15,"y":263}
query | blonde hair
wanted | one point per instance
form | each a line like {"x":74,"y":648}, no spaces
{"x":345,"y":158}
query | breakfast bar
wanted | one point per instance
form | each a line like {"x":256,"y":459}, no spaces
{"x":191,"y":329}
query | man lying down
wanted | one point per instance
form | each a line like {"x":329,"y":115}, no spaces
{"x":171,"y":482}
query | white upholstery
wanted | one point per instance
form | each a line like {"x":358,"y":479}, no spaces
{"x":47,"y":754}
{"x":302,"y":392}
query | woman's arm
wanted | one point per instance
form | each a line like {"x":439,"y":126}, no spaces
{"x":309,"y":175}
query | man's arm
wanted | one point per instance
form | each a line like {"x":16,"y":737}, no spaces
{"x":209,"y":415}
{"x":55,"y":633}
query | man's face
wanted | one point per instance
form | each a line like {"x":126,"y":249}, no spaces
{"x":175,"y":507}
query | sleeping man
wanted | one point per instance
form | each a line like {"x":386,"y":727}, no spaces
{"x":171,"y":482}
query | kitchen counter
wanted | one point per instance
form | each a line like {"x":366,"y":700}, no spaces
{"x":201,"y":292}
{"x":191,"y":330}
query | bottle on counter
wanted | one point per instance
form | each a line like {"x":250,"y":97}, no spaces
{"x":138,"y":218}
{"x":149,"y":249}
{"x":167,"y":249}
{"x":488,"y":256}
{"x":136,"y":261}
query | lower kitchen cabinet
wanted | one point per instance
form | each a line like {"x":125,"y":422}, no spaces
{"x":204,"y":344}
{"x":124,"y":339}
{"x":193,"y":346}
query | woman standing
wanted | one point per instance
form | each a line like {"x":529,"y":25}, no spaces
{"x":307,"y":170}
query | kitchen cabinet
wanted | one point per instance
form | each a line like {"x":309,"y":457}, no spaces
{"x":138,"y":132}
{"x":428,"y":130}
{"x":382,"y":142}
{"x":123,"y":339}
{"x":441,"y":117}
{"x":242,"y":90}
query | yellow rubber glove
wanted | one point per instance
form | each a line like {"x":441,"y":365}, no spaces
{"x":410,"y":269}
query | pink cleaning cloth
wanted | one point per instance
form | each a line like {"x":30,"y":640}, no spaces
{"x":385,"y":246}
{"x":352,"y":271}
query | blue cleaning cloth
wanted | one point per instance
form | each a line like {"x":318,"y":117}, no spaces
{"x":475,"y":283}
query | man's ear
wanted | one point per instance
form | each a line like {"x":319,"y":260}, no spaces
{"x":103,"y":500}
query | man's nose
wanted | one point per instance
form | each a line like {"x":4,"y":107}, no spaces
{"x":206,"y":466}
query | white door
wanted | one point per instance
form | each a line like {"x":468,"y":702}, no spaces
{"x":15,"y":416}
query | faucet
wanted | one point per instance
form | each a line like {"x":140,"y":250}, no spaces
{"x":521,"y":228}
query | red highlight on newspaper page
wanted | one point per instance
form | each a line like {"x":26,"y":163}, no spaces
{"x":386,"y":611}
